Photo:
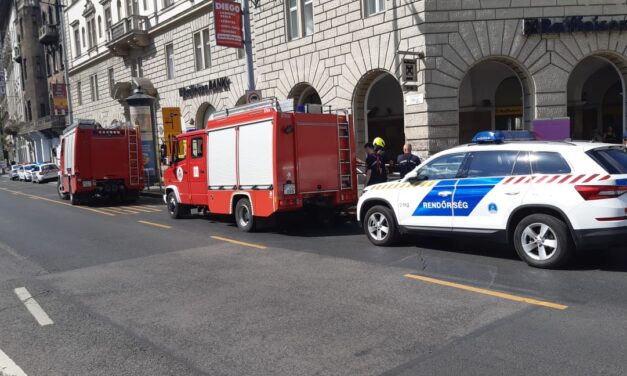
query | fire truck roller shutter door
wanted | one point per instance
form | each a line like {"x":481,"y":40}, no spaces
{"x":255,"y":155}
{"x":221,"y":160}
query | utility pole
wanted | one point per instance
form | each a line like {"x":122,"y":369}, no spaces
{"x":248,"y":46}
{"x":65,"y":64}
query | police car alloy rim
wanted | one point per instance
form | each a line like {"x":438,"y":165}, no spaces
{"x":378,"y":226}
{"x":539,"y":241}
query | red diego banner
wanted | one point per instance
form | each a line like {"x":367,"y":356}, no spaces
{"x":228,"y":21}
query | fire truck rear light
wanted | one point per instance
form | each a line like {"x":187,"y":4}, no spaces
{"x":86,"y":183}
{"x":600,"y":192}
{"x":289,"y":189}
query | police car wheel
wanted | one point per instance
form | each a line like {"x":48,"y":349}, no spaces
{"x":543,"y":241}
{"x":244,"y":215}
{"x":380,"y":226}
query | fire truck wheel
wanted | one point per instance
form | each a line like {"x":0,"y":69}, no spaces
{"x":62,"y":195}
{"x":73,"y":199}
{"x":176,"y":209}
{"x":244,"y":215}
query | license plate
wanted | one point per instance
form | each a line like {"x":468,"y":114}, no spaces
{"x":289,"y":189}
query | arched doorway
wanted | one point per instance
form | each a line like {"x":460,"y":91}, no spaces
{"x":491,"y":97}
{"x":596,"y":101}
{"x":378,"y":110}
{"x":303,"y":94}
{"x":202,"y":116}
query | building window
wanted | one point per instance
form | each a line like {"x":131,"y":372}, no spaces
{"x":35,"y":28}
{"x":119,"y":6}
{"x":91,"y":33}
{"x":167,"y":3}
{"x":77,"y":42}
{"x":374,"y":6}
{"x":25,"y":70}
{"x":99,"y":27}
{"x":29,"y":112}
{"x":83,"y":36}
{"x":93,"y":86}
{"x":108,"y":20}
{"x":169,"y":60}
{"x":38,"y":71}
{"x":300,"y":21}
{"x":201,"y":50}
{"x":111,"y":81}
{"x":79,"y":93}
{"x":42,"y":110}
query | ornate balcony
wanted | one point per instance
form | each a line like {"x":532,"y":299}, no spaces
{"x":129,"y":33}
{"x":48,"y":34}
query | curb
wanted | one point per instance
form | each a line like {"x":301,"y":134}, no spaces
{"x":151,"y":194}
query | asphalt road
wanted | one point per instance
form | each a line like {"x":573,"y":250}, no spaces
{"x":132,"y":292}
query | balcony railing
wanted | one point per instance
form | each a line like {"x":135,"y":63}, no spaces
{"x":130,"y":32}
{"x":50,"y":122}
{"x":48,"y":34}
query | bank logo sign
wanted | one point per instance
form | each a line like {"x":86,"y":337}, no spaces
{"x":573,"y":24}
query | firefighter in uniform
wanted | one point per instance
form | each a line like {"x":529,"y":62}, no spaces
{"x":407,"y":161}
{"x":376,"y":161}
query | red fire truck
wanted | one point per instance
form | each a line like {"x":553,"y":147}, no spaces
{"x":99,"y":162}
{"x":260,"y":159}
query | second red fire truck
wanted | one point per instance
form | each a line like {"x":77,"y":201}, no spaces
{"x":261,"y":159}
{"x":100,"y":162}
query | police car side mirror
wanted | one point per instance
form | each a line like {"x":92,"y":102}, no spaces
{"x":417,"y":178}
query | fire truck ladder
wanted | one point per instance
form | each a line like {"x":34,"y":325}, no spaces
{"x":344,"y":152}
{"x":133,"y":157}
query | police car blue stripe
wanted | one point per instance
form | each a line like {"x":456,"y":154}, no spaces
{"x":468,"y":194}
{"x":621,"y":182}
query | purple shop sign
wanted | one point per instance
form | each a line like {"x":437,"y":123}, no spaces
{"x":552,"y":129}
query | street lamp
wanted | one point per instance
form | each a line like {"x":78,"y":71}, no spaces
{"x":143,"y":120}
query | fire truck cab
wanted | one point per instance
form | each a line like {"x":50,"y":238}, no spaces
{"x":260,"y":159}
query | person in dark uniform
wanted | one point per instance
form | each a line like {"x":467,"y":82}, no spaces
{"x":376,"y":171}
{"x":407,"y":161}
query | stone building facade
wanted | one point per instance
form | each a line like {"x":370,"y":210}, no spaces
{"x":475,"y":66}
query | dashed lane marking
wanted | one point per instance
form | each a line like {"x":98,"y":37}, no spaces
{"x":497,"y":294}
{"x":33,"y":307}
{"x":154,"y":224}
{"x":8,"y":366}
{"x":252,"y":245}
{"x":34,"y":197}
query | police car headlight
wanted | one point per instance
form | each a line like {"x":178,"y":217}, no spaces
{"x":86,"y":183}
{"x":289,"y":189}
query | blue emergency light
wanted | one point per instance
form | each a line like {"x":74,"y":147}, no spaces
{"x":498,"y":137}
{"x":489,"y":137}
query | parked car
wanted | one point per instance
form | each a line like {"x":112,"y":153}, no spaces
{"x":13,"y":175}
{"x":26,"y":176}
{"x":21,"y":172}
{"x":44,"y":173}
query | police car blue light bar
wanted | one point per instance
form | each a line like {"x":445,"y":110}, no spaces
{"x":498,"y":137}
{"x":489,"y":137}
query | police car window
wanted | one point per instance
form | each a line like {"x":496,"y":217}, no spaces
{"x":490,"y":163}
{"x":545,"y":162}
{"x":523,"y":164}
{"x":613,"y":160}
{"x":444,"y":167}
{"x":197,"y":148}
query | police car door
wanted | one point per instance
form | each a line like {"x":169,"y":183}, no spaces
{"x":491,"y":187}
{"x":428,"y":202}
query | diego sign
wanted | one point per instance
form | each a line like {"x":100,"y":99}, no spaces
{"x":574,"y":24}
{"x":228,"y":23}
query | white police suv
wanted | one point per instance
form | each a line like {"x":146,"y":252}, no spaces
{"x":547,"y":198}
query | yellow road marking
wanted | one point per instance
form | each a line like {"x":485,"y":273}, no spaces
{"x":34,"y":197}
{"x":487,"y":292}
{"x":154,"y":224}
{"x":258,"y":246}
{"x":139,"y":208}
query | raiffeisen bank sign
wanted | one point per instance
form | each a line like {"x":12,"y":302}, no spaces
{"x":573,"y":24}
